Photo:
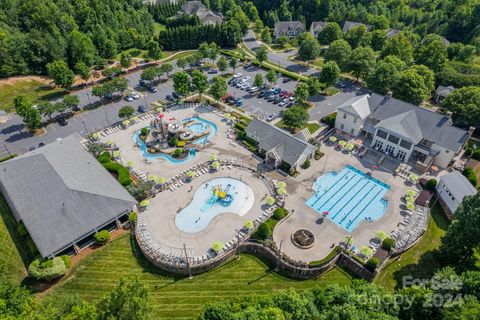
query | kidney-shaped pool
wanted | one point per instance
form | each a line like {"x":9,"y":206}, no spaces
{"x":212,"y":198}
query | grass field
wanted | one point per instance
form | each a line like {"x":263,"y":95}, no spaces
{"x":312,"y":127}
{"x":34,"y":88}
{"x":157,"y":28}
{"x":12,"y":258}
{"x":420,"y":261}
{"x":179,"y":298}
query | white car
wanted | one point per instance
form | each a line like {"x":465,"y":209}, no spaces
{"x":253,"y":89}
{"x":247,"y":78}
{"x":245,"y":86}
{"x":128,"y":99}
{"x":238,"y":75}
{"x":271,"y":116}
{"x":134,"y":95}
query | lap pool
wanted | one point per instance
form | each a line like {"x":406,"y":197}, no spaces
{"x":348,"y":197}
{"x":212,"y":198}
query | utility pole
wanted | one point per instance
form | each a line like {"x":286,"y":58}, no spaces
{"x":188,"y":263}
{"x":86,"y":131}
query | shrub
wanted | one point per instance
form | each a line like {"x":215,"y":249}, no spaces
{"x":177,"y":153}
{"x":306,"y":164}
{"x":329,"y":257}
{"x":263,"y":232}
{"x":132,"y":217}
{"x":144,"y":131}
{"x":388,"y":244}
{"x":180,"y":143}
{"x":126,"y":112}
{"x":330,"y":120}
{"x":470,"y":175}
{"x":468,"y":152}
{"x":123,"y":174}
{"x":431,"y":184}
{"x":67,"y":260}
{"x":172,"y":142}
{"x":372,"y":264}
{"x":104,"y":157}
{"x":22,"y":230}
{"x":102,"y":236}
{"x":47,"y":269}
{"x":476,"y":155}
{"x":279,"y":213}
{"x":249,"y":146}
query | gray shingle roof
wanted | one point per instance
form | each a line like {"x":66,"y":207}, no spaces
{"x":406,"y":124}
{"x":357,"y":106}
{"x":61,"y":193}
{"x":392,"y":32}
{"x":350,"y":24}
{"x":194,"y":7}
{"x":317,"y":26}
{"x":458,"y":185}
{"x":285,"y":26}
{"x":433,"y":126}
{"x":444,"y":91}
{"x":209,"y":17}
{"x":269,"y":137}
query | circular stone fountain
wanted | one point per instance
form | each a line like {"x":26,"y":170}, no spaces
{"x":303,"y":238}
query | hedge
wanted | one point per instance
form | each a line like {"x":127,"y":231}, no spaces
{"x":372,"y":264}
{"x":388,"y":244}
{"x":132,"y":217}
{"x":123,"y":173}
{"x":263,"y":232}
{"x":468,"y":152}
{"x":47,"y":269}
{"x":329,"y":257}
{"x":476,"y":155}
{"x":67,"y":260}
{"x":13,"y":155}
{"x":431,"y":184}
{"x":279,"y":214}
{"x":102,"y":236}
{"x":249,"y":146}
{"x":470,"y":175}
{"x":306,"y":164}
{"x":104,"y":157}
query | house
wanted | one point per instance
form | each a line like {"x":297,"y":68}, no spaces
{"x":63,"y":196}
{"x":288,"y":28}
{"x":280,"y":148}
{"x":199,"y":9}
{"x":442,"y":92}
{"x":316,"y":27}
{"x":392,"y":33}
{"x":348,"y":25}
{"x":402,"y":130}
{"x":451,"y":190}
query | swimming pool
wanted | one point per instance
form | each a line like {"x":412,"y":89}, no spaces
{"x":349,"y":197}
{"x":206,"y":205}
{"x":199,"y":126}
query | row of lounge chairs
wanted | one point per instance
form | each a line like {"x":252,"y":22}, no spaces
{"x":412,"y":228}
{"x":116,"y":128}
{"x":138,"y":173}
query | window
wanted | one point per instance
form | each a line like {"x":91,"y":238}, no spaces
{"x":378,"y":145}
{"x":405,"y":144}
{"x":342,"y":126}
{"x":389,"y":149}
{"x":354,"y":119}
{"x":382,"y":134}
{"x":393,"y":139}
{"x":344,"y":116}
{"x":401,"y":155}
{"x":352,"y":131}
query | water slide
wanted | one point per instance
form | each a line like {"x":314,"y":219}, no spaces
{"x":210,"y":202}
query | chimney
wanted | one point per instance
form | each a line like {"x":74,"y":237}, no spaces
{"x":471,"y":130}
{"x":449,"y":114}
{"x":389,"y":94}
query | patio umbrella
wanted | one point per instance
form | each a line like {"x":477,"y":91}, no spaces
{"x":332,"y":139}
{"x":161,"y":180}
{"x":248,"y":224}
{"x":281,"y":184}
{"x":411,"y":193}
{"x":116,"y":153}
{"x":125,"y":122}
{"x":410,"y":206}
{"x":144,"y":203}
{"x":190,"y":174}
{"x":213,"y":157}
{"x":110,"y":142}
{"x":349,"y":146}
{"x":134,"y":118}
{"x":159,"y":109}
{"x":270,"y":201}
{"x":413,"y":177}
{"x":325,"y":213}
{"x":282,"y":191}
{"x":434,"y":168}
{"x":366,"y":251}
{"x":217,"y":246}
{"x":216,"y":165}
{"x":130,"y":164}
{"x":342,"y":143}
{"x":152,"y":177}
{"x":95,"y":135}
{"x":381,"y":235}
{"x":409,"y":199}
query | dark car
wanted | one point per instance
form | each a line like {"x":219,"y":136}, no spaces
{"x":176,"y":95}
{"x":62,"y":121}
{"x":152,"y":89}
{"x":142,"y":109}
{"x":285,"y":80}
{"x":143,"y":83}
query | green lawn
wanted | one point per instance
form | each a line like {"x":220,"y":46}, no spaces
{"x":158,"y":27}
{"x":420,"y":261}
{"x":180,"y":55}
{"x":34,"y":88}
{"x":180,"y":298}
{"x":312,"y":127}
{"x":13,"y":258}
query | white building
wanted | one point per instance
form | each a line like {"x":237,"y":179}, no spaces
{"x":401,"y":130}
{"x":451,"y":189}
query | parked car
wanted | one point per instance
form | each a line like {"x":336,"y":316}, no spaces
{"x":239,"y":103}
{"x":141,"y":108}
{"x":176,"y":95}
{"x":261,"y":94}
{"x":253,"y":89}
{"x":62,"y":120}
{"x":134,"y":95}
{"x":247,"y":78}
{"x":143,"y":83}
{"x":152,"y":89}
{"x":271,"y":116}
{"x":169,"y":98}
{"x":238,"y":75}
{"x":284,"y":102}
{"x":128,"y":99}
{"x":225,"y":97}
{"x":213,"y":71}
{"x":342,"y":84}
{"x":285,"y":80}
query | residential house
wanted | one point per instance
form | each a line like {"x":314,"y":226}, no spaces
{"x":288,"y":28}
{"x":350,"y":24}
{"x":63,"y":196}
{"x":452,"y":188}
{"x":402,"y":130}
{"x":442,"y":92}
{"x":280,"y":148}
{"x":316,"y":27}
{"x":198,"y":8}
{"x":392,"y":33}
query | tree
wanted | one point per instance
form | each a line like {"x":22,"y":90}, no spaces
{"x":182,"y":63}
{"x":125,"y":60}
{"x":71,"y":101}
{"x":166,"y":68}
{"x":427,"y":75}
{"x":385,"y":74}
{"x":213,"y":51}
{"x":432,"y":53}
{"x":358,"y":36}
{"x":83,"y":70}
{"x":111,"y":72}
{"x":296,"y":117}
{"x":465,"y":105}
{"x":46,"y":108}
{"x":126,"y":112}
{"x":21,"y":104}
{"x":258,"y":81}
{"x":32,"y":118}
{"x":339,"y":51}
{"x":149,"y":74}
{"x":330,"y":33}
{"x":81,"y":48}
{"x":309,"y":49}
{"x":232,"y":63}
{"x":261,"y":54}
{"x":272,"y":76}
{"x":400,"y":46}
{"x":379,"y":40}
{"x":330,"y":73}
{"x":129,"y":301}
{"x":218,"y":88}
{"x":199,"y":82}
{"x":411,"y":87}
{"x":266,"y":36}
{"x":301,"y":91}
{"x":461,"y":238}
{"x":362,"y":61}
{"x":281,"y":40}
{"x":203,"y":49}
{"x":181,"y":83}
{"x":222,"y":64}
{"x":153,"y":50}
{"x":314,"y":86}
{"x":61,"y":73}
